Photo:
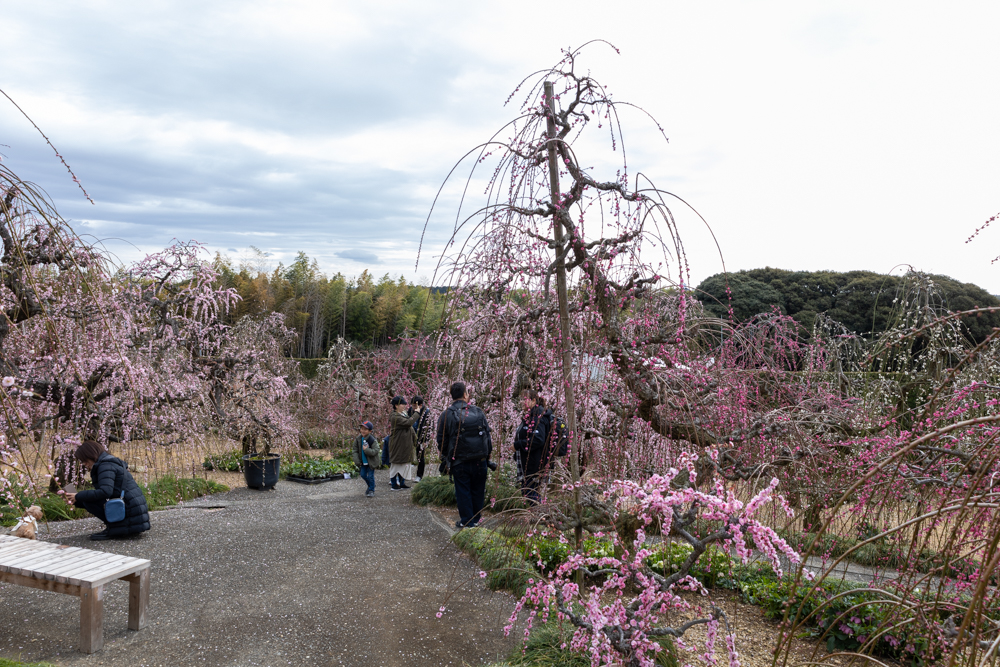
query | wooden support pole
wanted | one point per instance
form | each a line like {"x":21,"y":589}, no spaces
{"x":91,"y":619}
{"x":138,"y":599}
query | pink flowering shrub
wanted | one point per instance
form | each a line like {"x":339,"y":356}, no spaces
{"x":617,"y":626}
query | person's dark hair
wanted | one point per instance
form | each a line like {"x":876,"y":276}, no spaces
{"x":417,"y":400}
{"x":533,"y":395}
{"x":88,"y":451}
{"x":398,"y":400}
{"x":457,"y":391}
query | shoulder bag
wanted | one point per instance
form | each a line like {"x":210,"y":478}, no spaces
{"x":114,"y":509}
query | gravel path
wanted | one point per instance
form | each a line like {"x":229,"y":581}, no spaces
{"x":302,"y":575}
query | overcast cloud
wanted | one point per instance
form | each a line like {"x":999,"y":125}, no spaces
{"x":848,"y":135}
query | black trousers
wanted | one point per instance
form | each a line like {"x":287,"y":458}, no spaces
{"x":470,"y":490}
{"x":97,"y":509}
{"x":421,"y":462}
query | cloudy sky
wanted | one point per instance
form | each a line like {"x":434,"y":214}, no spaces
{"x":810,"y":135}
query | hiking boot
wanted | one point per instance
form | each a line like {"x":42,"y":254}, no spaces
{"x":98,"y":537}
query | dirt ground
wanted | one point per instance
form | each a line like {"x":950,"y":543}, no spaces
{"x":302,"y":575}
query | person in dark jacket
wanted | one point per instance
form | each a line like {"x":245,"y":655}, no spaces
{"x":365,"y":454}
{"x":465,"y":442}
{"x":532,"y":448}
{"x":110,"y":476}
{"x":423,"y":431}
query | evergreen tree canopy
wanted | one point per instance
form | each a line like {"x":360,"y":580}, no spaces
{"x":321,"y":309}
{"x":860,"y":300}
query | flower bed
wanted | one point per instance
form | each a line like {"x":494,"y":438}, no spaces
{"x":315,"y":470}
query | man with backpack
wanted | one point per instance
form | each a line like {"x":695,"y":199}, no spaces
{"x":465,"y":442}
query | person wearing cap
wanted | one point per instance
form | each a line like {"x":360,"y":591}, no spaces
{"x":401,"y":440}
{"x":366,"y":455}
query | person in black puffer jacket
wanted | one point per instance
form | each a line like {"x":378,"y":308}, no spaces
{"x":531,"y":446}
{"x":110,"y":476}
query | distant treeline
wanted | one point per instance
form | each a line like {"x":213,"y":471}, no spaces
{"x":321,"y":309}
{"x":860,"y":300}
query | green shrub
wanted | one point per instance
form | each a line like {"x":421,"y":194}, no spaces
{"x":709,"y":567}
{"x":549,"y":551}
{"x":500,"y":486}
{"x":544,"y":649}
{"x":164,"y":492}
{"x":342,"y":455}
{"x":316,"y":468}
{"x":310,"y":367}
{"x":318,"y":439}
{"x":4,"y":662}
{"x":438,"y":491}
{"x":844,"y":616}
{"x":169,"y":490}
{"x":231,"y":461}
{"x":53,"y":507}
{"x":501,"y":558}
{"x":502,"y":491}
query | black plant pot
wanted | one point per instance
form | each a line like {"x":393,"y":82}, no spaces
{"x":261,"y":473}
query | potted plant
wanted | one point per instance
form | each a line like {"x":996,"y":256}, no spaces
{"x":260,"y":468}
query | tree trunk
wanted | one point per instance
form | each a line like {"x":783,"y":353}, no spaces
{"x":565,"y":342}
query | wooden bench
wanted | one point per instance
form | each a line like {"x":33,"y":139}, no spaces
{"x":82,"y":572}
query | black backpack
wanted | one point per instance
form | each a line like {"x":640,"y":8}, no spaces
{"x":559,"y":436}
{"x":473,"y":438}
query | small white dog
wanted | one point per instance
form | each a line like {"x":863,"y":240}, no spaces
{"x":27,"y":525}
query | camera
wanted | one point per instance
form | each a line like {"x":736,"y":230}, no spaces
{"x":492,"y":465}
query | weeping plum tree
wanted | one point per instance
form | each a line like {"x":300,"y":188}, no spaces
{"x":556,"y":294}
{"x":674,"y":413}
{"x":138,"y":355}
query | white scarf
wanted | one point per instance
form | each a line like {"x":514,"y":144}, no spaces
{"x":24,"y":521}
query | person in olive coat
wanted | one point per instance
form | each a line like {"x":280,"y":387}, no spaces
{"x":401,"y":440}
{"x":110,"y":476}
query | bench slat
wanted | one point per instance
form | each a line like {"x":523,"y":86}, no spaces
{"x":73,"y":565}
{"x":82,"y":567}
{"x":22,"y":554}
{"x":107,"y":571}
{"x":34,"y":561}
{"x":84,"y":564}
{"x":45,"y":563}
{"x":86,"y":557}
{"x":135,"y":568}
{"x":8,"y":539}
{"x":82,"y":574}
{"x":21,"y":545}
{"x":32,"y":546}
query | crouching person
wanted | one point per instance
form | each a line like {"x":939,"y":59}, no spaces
{"x":111,"y":478}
